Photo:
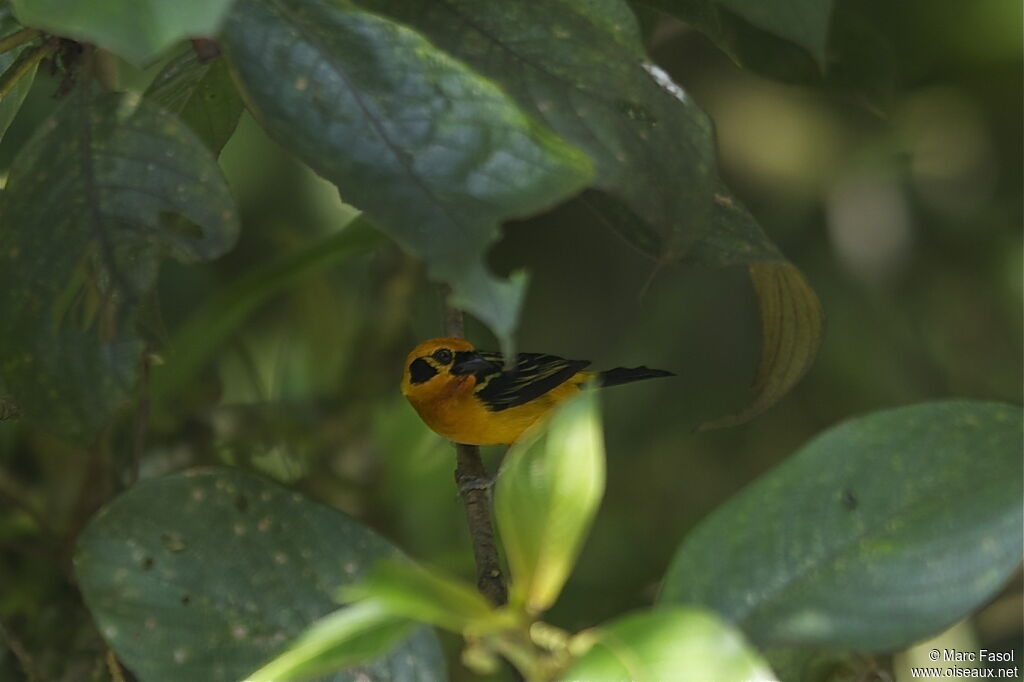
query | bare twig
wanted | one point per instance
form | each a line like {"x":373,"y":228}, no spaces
{"x":470,"y":470}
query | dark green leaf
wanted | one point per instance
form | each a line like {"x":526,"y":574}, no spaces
{"x":801,"y":22}
{"x":435,"y":155}
{"x":859,"y":60}
{"x":881,"y":531}
{"x":202,"y":94}
{"x":548,"y":491}
{"x":792,"y":321}
{"x":205,"y":575}
{"x":579,"y":66}
{"x":804,"y":22}
{"x":86,"y":215}
{"x":666,"y":644}
{"x":138,"y":30}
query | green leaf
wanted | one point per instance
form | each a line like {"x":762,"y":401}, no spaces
{"x":217,"y":318}
{"x":548,"y":491}
{"x":801,"y":22}
{"x":434,"y":154}
{"x":666,"y":644}
{"x":202,"y":94}
{"x":84,"y":221}
{"x":804,"y":22}
{"x":859,"y":57}
{"x":879,"y":532}
{"x":580,"y":67}
{"x":348,"y":636}
{"x":412,"y":591}
{"x":12,"y":101}
{"x":138,"y":30}
{"x":792,"y":320}
{"x":792,"y":324}
{"x":205,"y":575}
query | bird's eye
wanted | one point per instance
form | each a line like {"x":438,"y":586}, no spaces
{"x":443,"y":356}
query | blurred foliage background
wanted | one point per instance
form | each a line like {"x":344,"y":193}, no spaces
{"x":903,"y":206}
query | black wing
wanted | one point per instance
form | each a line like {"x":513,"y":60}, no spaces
{"x":534,"y":375}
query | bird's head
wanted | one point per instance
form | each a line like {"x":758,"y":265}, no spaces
{"x":442,"y":364}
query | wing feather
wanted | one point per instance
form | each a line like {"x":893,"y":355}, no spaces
{"x":534,"y":375}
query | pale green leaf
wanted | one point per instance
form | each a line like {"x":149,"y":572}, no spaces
{"x":138,"y":30}
{"x":426,"y":595}
{"x":666,"y":645}
{"x":546,"y":496}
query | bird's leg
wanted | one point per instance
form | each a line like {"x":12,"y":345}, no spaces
{"x":485,"y":483}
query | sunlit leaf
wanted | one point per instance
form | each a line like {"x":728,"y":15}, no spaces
{"x":138,"y":31}
{"x":678,"y":644}
{"x":201,"y":94}
{"x":351,"y":635}
{"x":84,"y":222}
{"x":208,"y":574}
{"x":426,"y":595}
{"x":434,"y":154}
{"x":879,"y":532}
{"x":547,"y":494}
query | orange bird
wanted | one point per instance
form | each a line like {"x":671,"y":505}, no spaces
{"x":469,"y":397}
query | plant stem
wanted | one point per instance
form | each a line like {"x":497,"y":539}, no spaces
{"x":470,"y":469}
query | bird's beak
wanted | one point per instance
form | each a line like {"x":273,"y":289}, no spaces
{"x":469,"y":362}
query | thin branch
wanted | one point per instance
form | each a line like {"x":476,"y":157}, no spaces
{"x":469,"y":472}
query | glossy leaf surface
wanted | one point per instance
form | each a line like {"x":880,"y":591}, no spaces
{"x":879,"y":532}
{"x":434,"y":154}
{"x":206,"y":575}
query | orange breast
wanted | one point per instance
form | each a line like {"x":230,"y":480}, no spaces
{"x":455,"y":413}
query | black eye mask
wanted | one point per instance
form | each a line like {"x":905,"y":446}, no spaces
{"x":421,"y":371}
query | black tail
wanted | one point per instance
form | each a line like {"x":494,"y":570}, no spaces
{"x":624,"y":375}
